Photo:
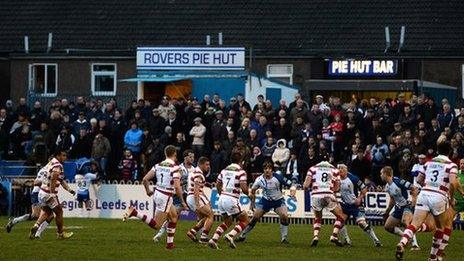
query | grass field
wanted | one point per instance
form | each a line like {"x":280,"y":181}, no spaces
{"x":98,"y":239}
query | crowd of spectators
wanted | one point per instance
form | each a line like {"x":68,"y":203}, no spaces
{"x":366,"y":135}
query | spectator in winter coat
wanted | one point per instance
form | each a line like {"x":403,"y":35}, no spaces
{"x":218,"y":158}
{"x":244,"y":130}
{"x":65,"y":140}
{"x":156,"y":124}
{"x":379,"y":155}
{"x":229,"y":143}
{"x":198,"y":133}
{"x":174,"y":122}
{"x":290,"y":171}
{"x":82,"y":146}
{"x":101,"y":150}
{"x":165,"y":107}
{"x":361,"y":167}
{"x":315,"y":118}
{"x":281,"y":154}
{"x":282,"y":130}
{"x":268,"y":148}
{"x":218,"y":128}
{"x":298,"y":111}
{"x":252,"y":140}
{"x":128,"y":167}
{"x":133,"y":138}
{"x":446,"y":118}
{"x":407,"y":119}
{"x":405,"y":166}
{"x":38,"y":115}
{"x":80,"y":123}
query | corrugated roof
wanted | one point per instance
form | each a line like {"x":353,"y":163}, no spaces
{"x":271,"y":27}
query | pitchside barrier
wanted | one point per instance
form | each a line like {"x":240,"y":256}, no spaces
{"x":112,"y":200}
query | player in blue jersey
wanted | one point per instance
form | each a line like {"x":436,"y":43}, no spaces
{"x":272,"y":199}
{"x":352,"y":193}
{"x":399,"y":201}
{"x":83,"y":182}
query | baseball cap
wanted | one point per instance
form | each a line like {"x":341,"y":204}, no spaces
{"x":197,"y":119}
{"x":320,"y":96}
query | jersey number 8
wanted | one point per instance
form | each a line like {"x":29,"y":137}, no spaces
{"x":325,"y":177}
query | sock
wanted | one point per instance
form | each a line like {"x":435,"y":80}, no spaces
{"x":194,"y":230}
{"x":162,"y":229}
{"x":42,"y":227}
{"x":423,"y":228}
{"x":437,"y":240}
{"x":283,"y":230}
{"x":204,"y":235}
{"x":22,"y":218}
{"x":249,"y":228}
{"x":316,"y":226}
{"x":398,"y":231}
{"x":219,"y":230}
{"x":237,"y":229}
{"x":344,"y":233}
{"x":414,"y":241}
{"x":337,"y":226}
{"x":444,"y":241}
{"x":150,"y":222}
{"x":171,"y":230}
{"x":372,"y":235}
{"x":369,"y":231}
{"x":408,"y":234}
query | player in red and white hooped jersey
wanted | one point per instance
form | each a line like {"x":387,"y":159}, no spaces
{"x":438,"y":181}
{"x":52,"y":179}
{"x":323,"y":180}
{"x":167,"y":174}
{"x":198,"y":202}
{"x":230,"y":183}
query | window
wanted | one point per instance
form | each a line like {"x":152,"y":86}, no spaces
{"x":43,"y":79}
{"x":281,"y":72}
{"x":104,"y":79}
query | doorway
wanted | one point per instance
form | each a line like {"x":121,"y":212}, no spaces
{"x":154,"y":91}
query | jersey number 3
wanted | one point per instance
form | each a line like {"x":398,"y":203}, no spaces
{"x":435,"y":176}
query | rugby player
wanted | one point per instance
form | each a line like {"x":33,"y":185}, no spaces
{"x":402,"y":208}
{"x":168,"y":176}
{"x":186,"y":169}
{"x":324,"y":181}
{"x":353,"y":191}
{"x":231,"y":181}
{"x":272,"y":199}
{"x":198,"y":202}
{"x":439,"y":182}
{"x":52,"y":179}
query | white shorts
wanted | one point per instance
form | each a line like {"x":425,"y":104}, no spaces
{"x":191,"y":202}
{"x":435,"y":203}
{"x":318,"y":203}
{"x":229,"y":206}
{"x":162,"y":201}
{"x":48,"y":200}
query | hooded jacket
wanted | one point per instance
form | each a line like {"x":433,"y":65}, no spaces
{"x":281,"y":155}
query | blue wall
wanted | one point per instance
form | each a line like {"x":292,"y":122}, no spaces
{"x":225,"y":87}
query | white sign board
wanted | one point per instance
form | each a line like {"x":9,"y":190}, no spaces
{"x":111,"y":201}
{"x":190,"y":58}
